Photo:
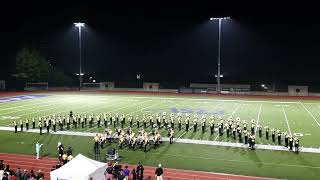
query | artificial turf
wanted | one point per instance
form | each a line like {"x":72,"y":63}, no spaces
{"x":299,"y":117}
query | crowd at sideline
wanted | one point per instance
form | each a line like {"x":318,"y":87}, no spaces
{"x":115,"y":172}
{"x":6,"y":173}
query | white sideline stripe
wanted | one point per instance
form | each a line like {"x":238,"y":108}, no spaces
{"x":258,"y":118}
{"x":186,"y":141}
{"x":285,"y":115}
{"x":234,"y":111}
{"x":310,"y":113}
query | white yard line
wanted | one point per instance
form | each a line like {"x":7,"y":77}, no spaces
{"x":47,"y":103}
{"x":285,"y":115}
{"x":47,"y":110}
{"x":4,"y":104}
{"x":310,"y":113}
{"x":181,"y":135}
{"x":258,"y":118}
{"x":24,"y":104}
{"x":234,"y":111}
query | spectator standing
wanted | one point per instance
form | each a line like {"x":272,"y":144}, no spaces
{"x":40,"y":175}
{"x":109,"y":173}
{"x":1,"y":174}
{"x":64,"y":158}
{"x":1,"y":165}
{"x":121,"y":176}
{"x":38,"y":149}
{"x":5,"y":176}
{"x":126,"y":173}
{"x":12,"y":176}
{"x":33,"y":177}
{"x":134,"y":174}
{"x":18,"y":174}
{"x":159,"y":172}
{"x":69,"y":151}
{"x":139,"y":171}
{"x":25,"y":175}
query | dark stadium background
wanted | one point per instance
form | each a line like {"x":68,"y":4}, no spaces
{"x":173,"y":43}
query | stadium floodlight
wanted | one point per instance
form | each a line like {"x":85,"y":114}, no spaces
{"x":219,"y":49}
{"x":221,"y":75}
{"x":79,"y":25}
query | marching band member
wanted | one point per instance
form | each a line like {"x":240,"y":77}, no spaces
{"x":138,"y":121}
{"x":27,"y":124}
{"x":40,"y":126}
{"x":158,"y":121}
{"x":179,"y":123}
{"x":252,"y":127}
{"x":85,"y":118}
{"x":195,"y":123}
{"x":273,"y":135}
{"x":110,"y":118}
{"x":144,"y":120}
{"x":279,"y":136}
{"x":203,"y":123}
{"x":61,"y":124}
{"x":260,"y":130}
{"x":130,"y":120}
{"x":267,"y":132}
{"x":54,"y":125}
{"x":286,"y":139}
{"x":82,"y":123}
{"x":170,"y":133}
{"x":114,"y":119}
{"x":15,"y":126}
{"x":296,"y":144}
{"x":123,"y":120}
{"x":212,"y":125}
{"x":117,"y":118}
{"x":105,"y":123}
{"x":187,"y":121}
{"x":21,"y":125}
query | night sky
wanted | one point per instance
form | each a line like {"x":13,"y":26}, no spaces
{"x":173,"y":42}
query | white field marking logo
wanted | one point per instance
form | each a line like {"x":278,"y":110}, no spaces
{"x":9,"y":117}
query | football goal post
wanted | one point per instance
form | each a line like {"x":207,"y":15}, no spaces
{"x":98,"y":86}
{"x":36,"y":86}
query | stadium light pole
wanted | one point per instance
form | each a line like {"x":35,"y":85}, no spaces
{"x":79,"y":25}
{"x":219,"y":50}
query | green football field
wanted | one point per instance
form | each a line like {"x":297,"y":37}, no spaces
{"x":297,"y":117}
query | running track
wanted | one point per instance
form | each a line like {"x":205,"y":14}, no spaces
{"x":45,"y":165}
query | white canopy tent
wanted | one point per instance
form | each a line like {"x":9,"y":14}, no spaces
{"x":80,"y":168}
